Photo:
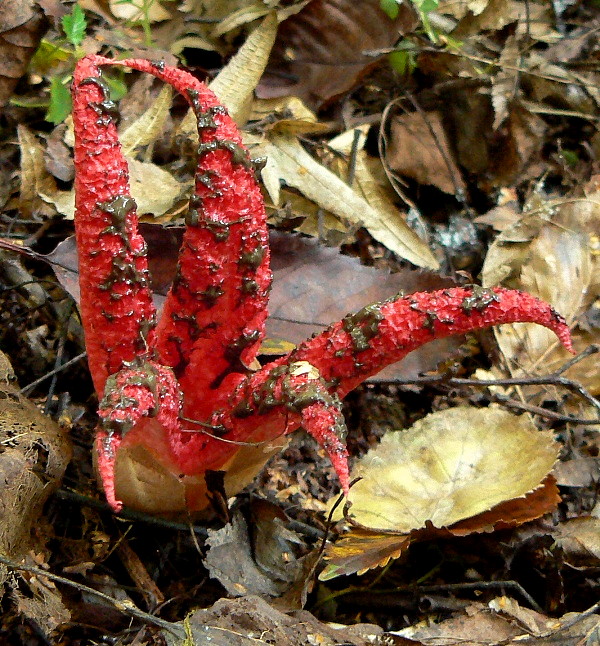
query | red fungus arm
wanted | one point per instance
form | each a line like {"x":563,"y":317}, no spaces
{"x":270,"y":402}
{"x":144,"y":398}
{"x":362,"y":344}
{"x":116,"y":302}
{"x":353,"y":349}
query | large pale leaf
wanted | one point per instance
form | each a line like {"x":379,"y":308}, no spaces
{"x":288,"y":160}
{"x":449,"y":466}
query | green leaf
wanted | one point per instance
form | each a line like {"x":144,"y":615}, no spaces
{"x":390,"y":7}
{"x":404,"y":62}
{"x":117,"y":86}
{"x":74,"y":25}
{"x":60,"y":102}
{"x":427,"y":6}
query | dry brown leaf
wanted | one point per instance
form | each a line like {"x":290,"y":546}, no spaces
{"x":476,"y":626}
{"x":551,"y":247}
{"x":21,"y":27}
{"x":323,"y":50}
{"x":361,"y":550}
{"x":251,"y":621}
{"x":449,"y":466}
{"x":419,"y":148}
{"x":154,"y":189}
{"x":235,"y":83}
{"x":579,"y":472}
{"x":504,"y":621}
{"x":34,"y":453}
{"x":504,"y":83}
{"x":259,"y":559}
{"x":580,"y":538}
{"x":35,"y":179}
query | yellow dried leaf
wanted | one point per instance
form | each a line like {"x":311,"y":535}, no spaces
{"x":361,"y":550}
{"x":134,"y":12}
{"x":551,"y":253}
{"x":235,"y":83}
{"x":449,"y":466}
{"x":147,"y":127}
{"x":35,"y":179}
{"x":153,"y":188}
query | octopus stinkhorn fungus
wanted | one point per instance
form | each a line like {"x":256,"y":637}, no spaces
{"x":177,"y":396}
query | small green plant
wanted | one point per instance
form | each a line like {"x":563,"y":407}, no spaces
{"x":56,"y":59}
{"x":74,"y":26}
{"x":425,"y":7}
{"x":404,"y":58}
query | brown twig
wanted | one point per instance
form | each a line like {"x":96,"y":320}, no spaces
{"x":553,"y":379}
{"x":126,"y":607}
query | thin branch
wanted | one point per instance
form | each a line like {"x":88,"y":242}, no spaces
{"x":553,"y":379}
{"x":62,"y":367}
{"x":127,"y":514}
{"x":126,"y":607}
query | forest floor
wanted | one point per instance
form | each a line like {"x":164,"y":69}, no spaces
{"x":410,"y":146}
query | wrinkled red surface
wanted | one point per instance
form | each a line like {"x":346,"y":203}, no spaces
{"x":193,"y":365}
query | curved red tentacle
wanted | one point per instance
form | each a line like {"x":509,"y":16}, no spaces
{"x":116,"y":301}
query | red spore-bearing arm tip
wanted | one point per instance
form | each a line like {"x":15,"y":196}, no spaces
{"x":142,"y":403}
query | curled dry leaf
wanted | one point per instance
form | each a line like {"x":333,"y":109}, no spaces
{"x":34,"y":453}
{"x":419,"y":149}
{"x":449,"y":466}
{"x":552,"y":246}
{"x":295,"y":167}
{"x":362,"y":550}
{"x":235,"y":83}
